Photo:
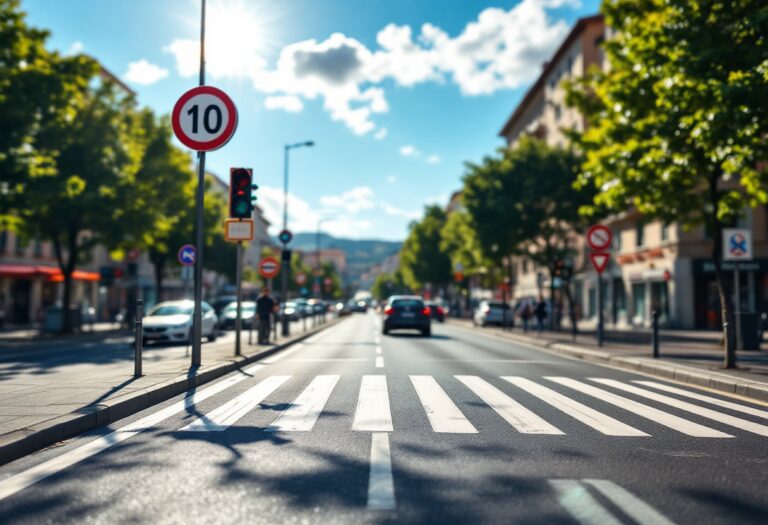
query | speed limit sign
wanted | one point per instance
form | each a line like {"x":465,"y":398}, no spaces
{"x":204,"y":118}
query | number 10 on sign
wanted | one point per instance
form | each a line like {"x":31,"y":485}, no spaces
{"x":204,"y":118}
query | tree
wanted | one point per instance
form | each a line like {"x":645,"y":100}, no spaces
{"x":679,"y":120}
{"x":387,"y":284}
{"x":422,"y":262}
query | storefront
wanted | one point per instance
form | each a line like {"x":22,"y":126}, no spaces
{"x":753,"y":288}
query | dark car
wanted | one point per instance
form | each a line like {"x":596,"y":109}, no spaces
{"x":407,"y":312}
{"x":436,"y":311}
{"x":359,"y":306}
{"x":228,"y":317}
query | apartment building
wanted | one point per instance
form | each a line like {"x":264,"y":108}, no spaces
{"x":653,"y":265}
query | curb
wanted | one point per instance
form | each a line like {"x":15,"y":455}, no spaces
{"x":680,"y":373}
{"x":37,"y":437}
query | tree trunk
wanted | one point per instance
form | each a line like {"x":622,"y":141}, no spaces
{"x":571,"y":310}
{"x":726,"y":305}
{"x":67,"y":268}
{"x":551,"y":298}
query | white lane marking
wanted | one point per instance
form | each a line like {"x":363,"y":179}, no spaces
{"x":707,"y":399}
{"x":302,"y":415}
{"x":513,"y":412}
{"x":443,"y":414}
{"x":378,"y":350}
{"x":26,"y":478}
{"x":662,"y":418}
{"x":727,"y":419}
{"x":577,"y":500}
{"x":629,"y":504}
{"x":379,"y":362}
{"x":373,"y":413}
{"x":381,"y":488}
{"x":283,"y":354}
{"x":230,"y":412}
{"x":597,"y":420}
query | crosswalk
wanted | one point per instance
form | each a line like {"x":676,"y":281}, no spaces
{"x":629,"y":403}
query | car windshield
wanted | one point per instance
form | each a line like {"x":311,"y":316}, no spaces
{"x":170,"y":309}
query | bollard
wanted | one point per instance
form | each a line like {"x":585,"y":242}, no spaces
{"x":138,"y":339}
{"x":655,"y":333}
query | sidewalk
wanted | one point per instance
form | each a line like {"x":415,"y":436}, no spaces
{"x":693,"y":357}
{"x":52,"y":393}
{"x":27,"y":333}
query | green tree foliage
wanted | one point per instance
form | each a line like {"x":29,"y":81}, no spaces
{"x":387,"y":284}
{"x":422,"y":262}
{"x":678,"y":122}
{"x":459,"y":240}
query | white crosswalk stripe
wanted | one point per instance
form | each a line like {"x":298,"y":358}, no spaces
{"x":726,"y":419}
{"x":662,"y":418}
{"x":302,"y":415}
{"x":443,"y":414}
{"x":514,"y":413}
{"x":597,"y":420}
{"x":229,"y":413}
{"x":707,"y":399}
{"x":373,"y":413}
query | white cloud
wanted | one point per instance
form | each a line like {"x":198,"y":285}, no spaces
{"x":144,"y":73}
{"x":501,"y":49}
{"x":409,"y":151}
{"x":398,"y":212}
{"x":380,"y":134}
{"x":75,"y":48}
{"x":433,"y":159}
{"x":352,"y":201}
{"x":289,"y":103}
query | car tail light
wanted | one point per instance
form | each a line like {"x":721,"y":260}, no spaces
{"x":426,"y":311}
{"x":440,"y":311}
{"x":389,"y":310}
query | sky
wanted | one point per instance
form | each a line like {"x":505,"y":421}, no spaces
{"x":397,"y":95}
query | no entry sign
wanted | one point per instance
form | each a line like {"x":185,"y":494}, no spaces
{"x":301,"y":278}
{"x":204,"y":118}
{"x":599,"y":237}
{"x":269,"y":267}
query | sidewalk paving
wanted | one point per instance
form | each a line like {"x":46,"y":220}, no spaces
{"x":693,"y":357}
{"x":88,"y":330}
{"x":56,"y":391}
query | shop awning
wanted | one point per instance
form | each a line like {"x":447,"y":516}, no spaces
{"x":50,"y":273}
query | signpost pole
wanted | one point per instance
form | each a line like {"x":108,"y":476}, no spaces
{"x":600,"y":319}
{"x":737,"y":303}
{"x":199,"y":238}
{"x":239,"y":278}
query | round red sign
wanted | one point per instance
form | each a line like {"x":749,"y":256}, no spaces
{"x":301,"y":278}
{"x":204,"y":118}
{"x":269,"y":267}
{"x":599,"y":237}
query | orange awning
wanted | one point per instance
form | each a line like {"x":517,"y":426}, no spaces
{"x":51,"y":273}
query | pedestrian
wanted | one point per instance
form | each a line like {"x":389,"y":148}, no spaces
{"x":524,"y":311}
{"x":540,"y":311}
{"x":265,"y":306}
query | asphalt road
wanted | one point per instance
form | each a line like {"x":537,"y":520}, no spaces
{"x":354,"y":427}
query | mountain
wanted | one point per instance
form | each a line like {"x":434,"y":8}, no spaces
{"x":361,"y":254}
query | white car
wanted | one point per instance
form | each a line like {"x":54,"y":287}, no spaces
{"x":171,"y":321}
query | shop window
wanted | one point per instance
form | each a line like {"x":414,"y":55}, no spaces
{"x":592,"y":302}
{"x":619,"y":300}
{"x":660,"y":300}
{"x":638,"y":303}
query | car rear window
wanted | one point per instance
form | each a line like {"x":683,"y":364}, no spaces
{"x":407,"y":303}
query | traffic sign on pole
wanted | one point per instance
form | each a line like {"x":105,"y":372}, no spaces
{"x":187,"y":255}
{"x":599,"y":237}
{"x":600,"y":261}
{"x":301,"y":278}
{"x":236,"y":230}
{"x":269,"y":267}
{"x":285,"y":236}
{"x":204,"y":118}
{"x":737,"y":244}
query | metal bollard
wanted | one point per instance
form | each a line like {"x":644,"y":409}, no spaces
{"x":138,"y":339}
{"x":655,"y":333}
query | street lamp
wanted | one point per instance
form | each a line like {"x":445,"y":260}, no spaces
{"x":287,"y":264}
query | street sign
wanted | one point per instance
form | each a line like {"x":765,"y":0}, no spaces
{"x":285,"y":236}
{"x":458,"y":276}
{"x":204,"y":118}
{"x":600,"y":261}
{"x":301,"y":278}
{"x":327,"y":281}
{"x":236,"y":230}
{"x":599,"y":237}
{"x":187,"y":255}
{"x":269,"y":267}
{"x":737,"y":244}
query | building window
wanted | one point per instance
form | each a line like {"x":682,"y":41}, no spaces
{"x":38,"y":248}
{"x":638,"y":303}
{"x":617,"y":240}
{"x":570,"y":64}
{"x":3,"y":240}
{"x":20,"y":245}
{"x":664,"y":232}
{"x":525,"y":265}
{"x":558,"y":111}
{"x":640,"y":233}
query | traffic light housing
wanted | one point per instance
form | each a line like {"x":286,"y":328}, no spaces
{"x":240,"y":186}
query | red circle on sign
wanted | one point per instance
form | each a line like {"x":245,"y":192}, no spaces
{"x":301,"y":278}
{"x":218,"y":141}
{"x":599,"y":237}
{"x":269,"y":267}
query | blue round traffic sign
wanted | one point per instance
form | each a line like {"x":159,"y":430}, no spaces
{"x":187,"y":255}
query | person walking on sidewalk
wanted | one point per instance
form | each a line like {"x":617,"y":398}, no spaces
{"x":540,"y":311}
{"x":524,"y":311}
{"x":265,"y":307}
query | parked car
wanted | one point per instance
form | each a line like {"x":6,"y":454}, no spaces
{"x":492,"y":312}
{"x":304,"y":308}
{"x":219,"y":303}
{"x":436,"y":311}
{"x":290,"y":310}
{"x":171,"y":321}
{"x":343,"y":309}
{"x":229,"y":316}
{"x":407,"y":312}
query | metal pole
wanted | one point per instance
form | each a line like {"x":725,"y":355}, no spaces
{"x":600,"y":319}
{"x":239,"y":280}
{"x":286,"y":264}
{"x":138,"y":339}
{"x":737,"y":304}
{"x":655,"y":333}
{"x":197,"y":316}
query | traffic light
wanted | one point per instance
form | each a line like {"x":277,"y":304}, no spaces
{"x":240,"y":206}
